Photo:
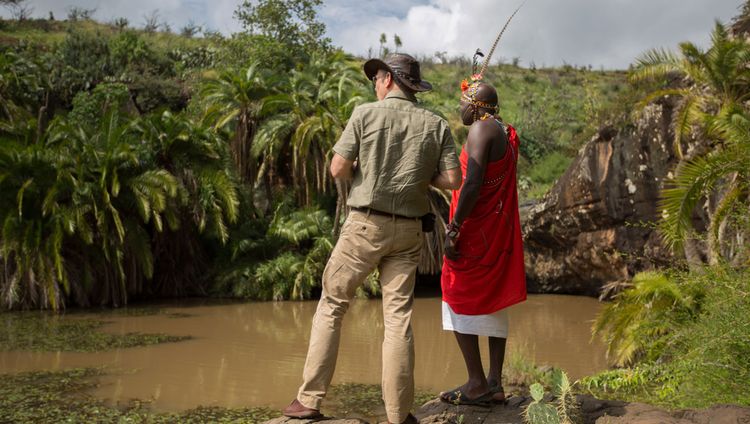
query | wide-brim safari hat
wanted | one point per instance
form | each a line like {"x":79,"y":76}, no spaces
{"x":403,"y":67}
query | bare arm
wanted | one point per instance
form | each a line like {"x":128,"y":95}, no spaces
{"x":342,"y":168}
{"x":449,"y":179}
{"x":478,"y":144}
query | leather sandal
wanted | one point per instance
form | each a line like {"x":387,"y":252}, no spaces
{"x":498,"y":393}
{"x":456,"y":397}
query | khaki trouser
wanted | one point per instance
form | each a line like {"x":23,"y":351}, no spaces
{"x":367,"y":241}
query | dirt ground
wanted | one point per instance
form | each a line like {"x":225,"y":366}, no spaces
{"x":593,"y":411}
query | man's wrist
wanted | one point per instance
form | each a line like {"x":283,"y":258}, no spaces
{"x":453,"y":229}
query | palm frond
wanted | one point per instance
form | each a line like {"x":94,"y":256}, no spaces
{"x":693,"y":180}
{"x":654,"y":65}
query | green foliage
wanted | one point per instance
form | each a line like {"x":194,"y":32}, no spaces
{"x":539,"y":412}
{"x":21,"y":89}
{"x":304,"y":237}
{"x":201,"y":57}
{"x":294,"y":24}
{"x":84,"y":60}
{"x":109,"y":187}
{"x":686,"y":335}
{"x":562,"y":410}
{"x":232,"y":102}
{"x":542,"y":174}
{"x":304,"y":116}
{"x":88,"y":106}
{"x":281,"y":34}
{"x":701,"y":354}
{"x":638,"y":322}
{"x":130,"y":51}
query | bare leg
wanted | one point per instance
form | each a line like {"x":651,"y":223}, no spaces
{"x":497,"y":357}
{"x":477,"y":384}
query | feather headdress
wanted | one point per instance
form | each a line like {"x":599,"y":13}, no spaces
{"x":477,"y":76}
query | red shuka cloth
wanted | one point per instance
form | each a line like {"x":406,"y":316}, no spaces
{"x":489,"y":275}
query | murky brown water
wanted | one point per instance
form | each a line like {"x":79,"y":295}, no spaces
{"x":252,"y":354}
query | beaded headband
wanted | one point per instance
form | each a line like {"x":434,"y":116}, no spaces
{"x":469,"y":96}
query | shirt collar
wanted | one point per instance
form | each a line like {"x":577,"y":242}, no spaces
{"x":398,"y":94}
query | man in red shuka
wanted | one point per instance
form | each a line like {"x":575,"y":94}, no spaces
{"x":483,"y":271}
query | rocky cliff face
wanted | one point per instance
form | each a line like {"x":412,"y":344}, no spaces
{"x":596,"y":225}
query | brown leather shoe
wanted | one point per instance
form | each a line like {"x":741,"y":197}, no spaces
{"x":410,"y":419}
{"x":298,"y":410}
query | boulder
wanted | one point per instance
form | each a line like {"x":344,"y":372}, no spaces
{"x":596,"y":225}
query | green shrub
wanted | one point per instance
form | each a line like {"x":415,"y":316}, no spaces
{"x":88,"y":106}
{"x":130,"y":51}
{"x":693,"y":332}
{"x":84,"y":61}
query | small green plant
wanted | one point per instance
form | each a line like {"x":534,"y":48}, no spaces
{"x":562,"y":410}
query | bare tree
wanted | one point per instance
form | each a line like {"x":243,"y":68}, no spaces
{"x":442,"y":55}
{"x":76,"y":13}
{"x":18,"y":9}
{"x":22,"y":12}
{"x":151,"y":21}
{"x":121,"y":23}
{"x":190,"y":30}
{"x":10,"y":4}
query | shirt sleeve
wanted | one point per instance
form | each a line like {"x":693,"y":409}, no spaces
{"x":348,"y":144}
{"x":448,"y":158}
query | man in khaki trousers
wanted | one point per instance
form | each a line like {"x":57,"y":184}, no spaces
{"x":400,"y":149}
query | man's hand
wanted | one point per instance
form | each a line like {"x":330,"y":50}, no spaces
{"x":451,"y":250}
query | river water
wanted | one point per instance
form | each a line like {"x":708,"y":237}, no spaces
{"x":252,"y":354}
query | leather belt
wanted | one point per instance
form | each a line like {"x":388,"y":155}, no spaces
{"x":381,"y":213}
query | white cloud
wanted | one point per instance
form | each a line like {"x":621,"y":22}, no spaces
{"x":609,"y":33}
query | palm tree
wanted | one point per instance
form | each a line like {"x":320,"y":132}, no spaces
{"x":80,"y":225}
{"x":233,"y":103}
{"x":725,"y":171}
{"x":305,"y":117}
{"x":712,"y":110}
{"x":208,"y":199}
{"x":94,"y":213}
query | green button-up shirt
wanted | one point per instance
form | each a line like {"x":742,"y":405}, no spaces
{"x":400,"y":147}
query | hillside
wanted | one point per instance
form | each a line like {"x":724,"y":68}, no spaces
{"x":555,"y":110}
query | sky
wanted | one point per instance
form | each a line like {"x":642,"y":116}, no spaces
{"x":606,"y":34}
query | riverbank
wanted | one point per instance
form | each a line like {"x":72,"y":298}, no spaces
{"x":65,"y":396}
{"x":592,"y":411}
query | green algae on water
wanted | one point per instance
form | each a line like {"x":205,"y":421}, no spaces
{"x":60,"y":396}
{"x":40,"y":332}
